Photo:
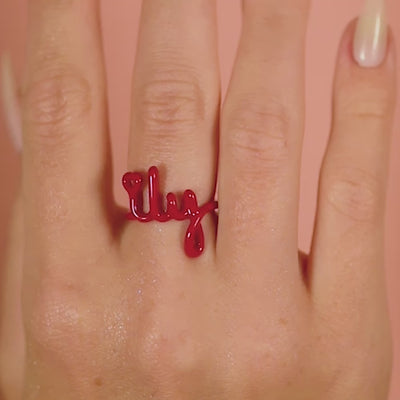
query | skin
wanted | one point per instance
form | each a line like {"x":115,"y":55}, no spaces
{"x":113,"y":309}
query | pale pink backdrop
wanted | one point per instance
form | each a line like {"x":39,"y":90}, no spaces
{"x":327,"y":20}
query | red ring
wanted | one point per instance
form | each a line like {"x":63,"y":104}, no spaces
{"x":190,"y":210}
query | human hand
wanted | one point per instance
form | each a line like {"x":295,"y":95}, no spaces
{"x":113,"y":308}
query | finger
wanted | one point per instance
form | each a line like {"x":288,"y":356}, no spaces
{"x":11,"y":330}
{"x":347,"y":248}
{"x":261,"y":134}
{"x":175,"y":102}
{"x":12,"y":113}
{"x":66,"y":165}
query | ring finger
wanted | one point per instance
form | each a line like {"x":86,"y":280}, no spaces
{"x":175,"y":104}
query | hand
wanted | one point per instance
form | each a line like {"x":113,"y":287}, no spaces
{"x":112,"y":308}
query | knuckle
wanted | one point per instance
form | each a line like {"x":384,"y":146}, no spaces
{"x":53,"y":102}
{"x":167,"y":355}
{"x":353,"y":192}
{"x":366,"y":105}
{"x":366,"y":112}
{"x":278,"y":14}
{"x":171,"y":102}
{"x":370,"y":360}
{"x":56,"y":317}
{"x":258,"y":132}
{"x":280,"y":364}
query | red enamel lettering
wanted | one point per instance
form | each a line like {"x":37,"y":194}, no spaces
{"x":190,"y":210}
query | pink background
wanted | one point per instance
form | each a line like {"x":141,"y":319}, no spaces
{"x":327,"y":20}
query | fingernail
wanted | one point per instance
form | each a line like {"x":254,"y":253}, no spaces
{"x":10,"y":102}
{"x":370,"y":39}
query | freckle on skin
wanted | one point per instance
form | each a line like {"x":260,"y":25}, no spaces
{"x":98,"y":381}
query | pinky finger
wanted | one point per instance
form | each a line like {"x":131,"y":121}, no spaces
{"x":347,"y":250}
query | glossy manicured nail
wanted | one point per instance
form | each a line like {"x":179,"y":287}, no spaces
{"x":371,"y":35}
{"x":10,"y":102}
